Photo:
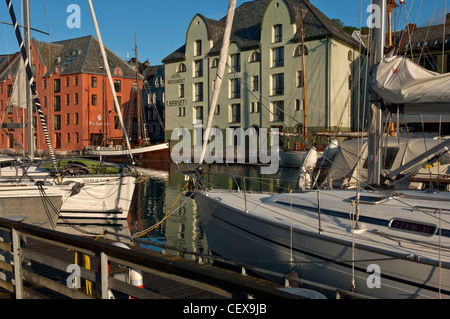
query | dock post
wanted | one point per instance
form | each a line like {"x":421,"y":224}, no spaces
{"x":17,"y":264}
{"x":105,"y":275}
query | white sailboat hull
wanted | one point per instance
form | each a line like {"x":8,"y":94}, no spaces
{"x":262,"y":238}
{"x":124,"y":152}
{"x":24,"y":202}
{"x":99,"y":197}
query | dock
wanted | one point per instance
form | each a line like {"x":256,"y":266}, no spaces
{"x":37,"y":262}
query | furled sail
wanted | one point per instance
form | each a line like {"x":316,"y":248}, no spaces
{"x":19,"y":94}
{"x":398,"y":80}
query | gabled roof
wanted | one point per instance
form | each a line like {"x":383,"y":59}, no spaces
{"x":247,"y":27}
{"x":80,"y":55}
{"x":9,"y":64}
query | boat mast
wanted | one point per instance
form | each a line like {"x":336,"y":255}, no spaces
{"x":31,"y":82}
{"x":139,"y":117}
{"x":220,"y":72}
{"x":305,"y":113}
{"x":111,"y":83}
{"x":375,"y":126}
{"x":27,"y":36}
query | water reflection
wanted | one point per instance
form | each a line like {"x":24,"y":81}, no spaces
{"x":183,"y":229}
{"x":159,"y":194}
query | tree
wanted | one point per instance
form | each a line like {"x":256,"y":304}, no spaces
{"x":349,"y":29}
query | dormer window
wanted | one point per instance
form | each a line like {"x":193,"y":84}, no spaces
{"x":277,"y":33}
{"x":181,"y":68}
{"x":198,"y":48}
{"x":255,"y":57}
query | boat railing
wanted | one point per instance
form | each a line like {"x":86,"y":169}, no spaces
{"x":191,"y":172}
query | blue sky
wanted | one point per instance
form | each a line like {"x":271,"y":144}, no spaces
{"x":160,"y":26}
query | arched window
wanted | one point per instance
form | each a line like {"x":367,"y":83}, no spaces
{"x":255,"y":57}
{"x":118,"y":71}
{"x":299,"y":49}
{"x":181,"y":68}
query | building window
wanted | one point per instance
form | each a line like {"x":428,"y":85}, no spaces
{"x":77,"y":138}
{"x":57,"y":87}
{"x":255,"y":57}
{"x":57,"y":122}
{"x":68,"y":138}
{"x":118,"y":86}
{"x":236,"y":62}
{"x":217,"y":110}
{"x":76,"y":99}
{"x":117,"y":125}
{"x":181,"y":90}
{"x":299,"y":79}
{"x":94,"y":81}
{"x":44,"y":85}
{"x":235,"y":89}
{"x":67,"y":99}
{"x":198,"y":48}
{"x":235,"y":113}
{"x":198,"y":68}
{"x":76,"y":80}
{"x":67,"y":81}
{"x":76,"y":119}
{"x":298,"y":105}
{"x":67,"y":119}
{"x":278,"y":111}
{"x":94,"y":99}
{"x":255,"y":107}
{"x":181,"y":68}
{"x":278,"y":57}
{"x":214,"y":63}
{"x":198,"y":92}
{"x":277,"y":33}
{"x":181,"y":111}
{"x":278,"y":84}
{"x":299,"y":50}
{"x":255,"y":83}
{"x":199,"y":113}
{"x":57,"y":103}
{"x":350,"y":55}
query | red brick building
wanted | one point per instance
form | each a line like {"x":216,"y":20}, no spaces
{"x":75,"y":95}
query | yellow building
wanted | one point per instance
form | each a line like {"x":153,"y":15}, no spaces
{"x":263,"y":86}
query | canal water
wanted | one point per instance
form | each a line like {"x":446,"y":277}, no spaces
{"x":159,"y":214}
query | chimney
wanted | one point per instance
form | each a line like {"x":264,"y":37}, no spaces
{"x":147,"y":63}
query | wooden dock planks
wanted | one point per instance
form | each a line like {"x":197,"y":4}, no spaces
{"x":163,"y":284}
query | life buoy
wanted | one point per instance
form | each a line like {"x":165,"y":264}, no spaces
{"x":297,"y":146}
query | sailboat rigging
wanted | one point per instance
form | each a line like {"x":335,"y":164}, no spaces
{"x":396,"y":230}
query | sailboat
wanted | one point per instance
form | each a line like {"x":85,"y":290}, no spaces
{"x":87,"y":195}
{"x":377,"y":242}
{"x":142,"y":148}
